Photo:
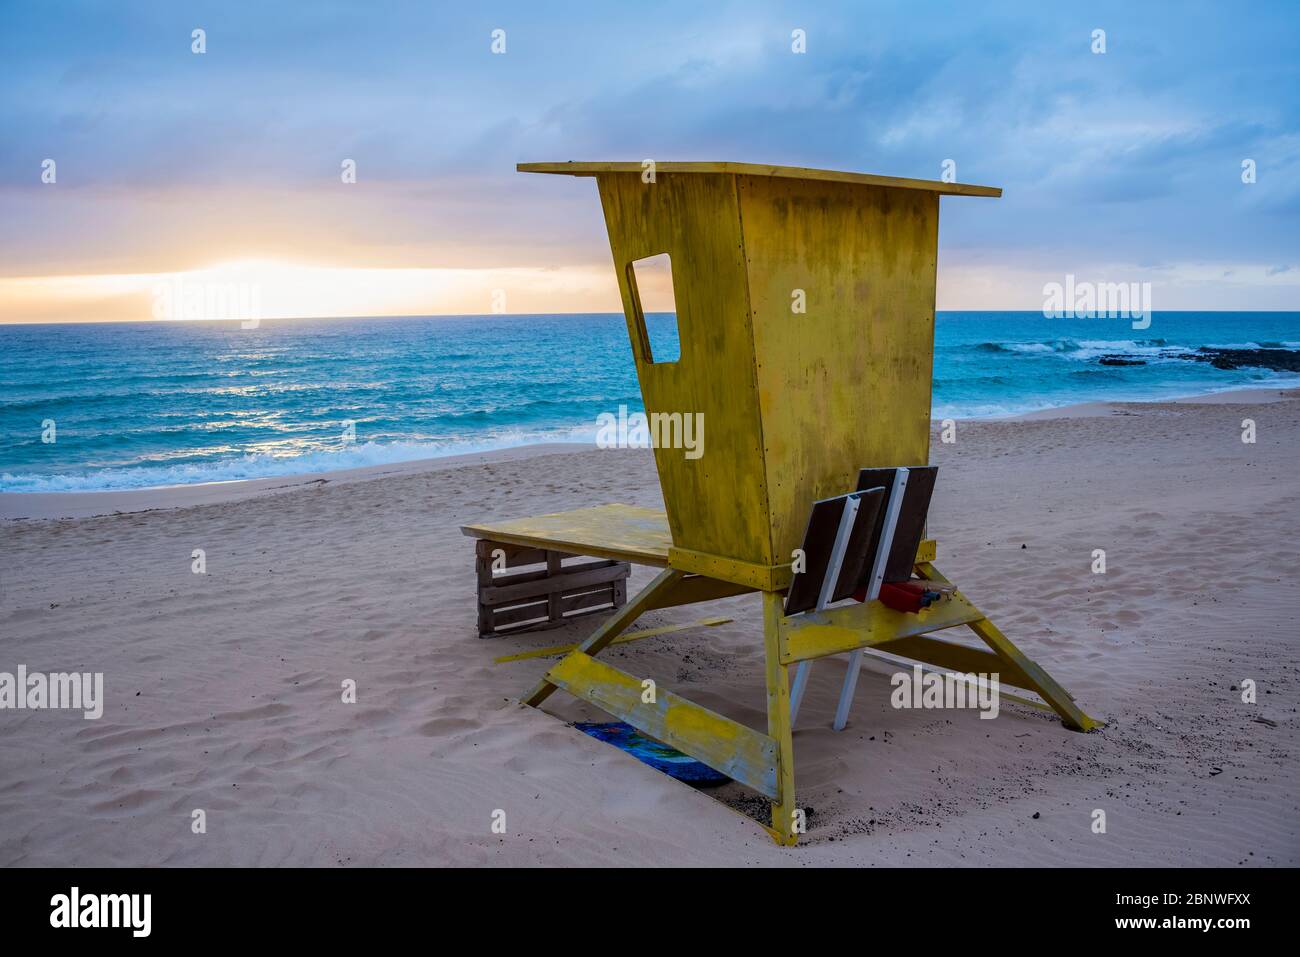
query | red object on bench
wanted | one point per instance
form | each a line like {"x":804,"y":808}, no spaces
{"x":906,"y":596}
{"x":897,"y":597}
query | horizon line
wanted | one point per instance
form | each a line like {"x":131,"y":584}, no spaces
{"x":491,"y":315}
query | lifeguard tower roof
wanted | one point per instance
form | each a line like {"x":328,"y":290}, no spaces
{"x":760,"y":169}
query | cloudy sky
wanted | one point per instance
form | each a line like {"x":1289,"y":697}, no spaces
{"x":1117,"y":166}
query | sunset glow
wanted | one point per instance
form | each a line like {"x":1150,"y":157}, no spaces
{"x":279,"y":290}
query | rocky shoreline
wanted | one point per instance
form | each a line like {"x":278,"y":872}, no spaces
{"x":1278,"y":360}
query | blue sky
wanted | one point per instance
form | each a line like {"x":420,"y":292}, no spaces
{"x":1122,"y":166}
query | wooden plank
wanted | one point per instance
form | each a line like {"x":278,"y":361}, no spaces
{"x":748,"y":574}
{"x":909,"y":526}
{"x":750,"y":577}
{"x":832,"y":523}
{"x":539,"y":606}
{"x":510,"y":602}
{"x":621,"y":532}
{"x":514,"y":555}
{"x":555,"y":610}
{"x":597,"y":573}
{"x":620,"y":640}
{"x":517,"y":613}
{"x":697,"y":588}
{"x":758,"y":169}
{"x":545,"y":623}
{"x":513,"y":578}
{"x":741,"y":753}
{"x":861,"y":625}
{"x":483,"y":569}
{"x":780,"y":724}
{"x":590,"y":599}
{"x":554,"y":561}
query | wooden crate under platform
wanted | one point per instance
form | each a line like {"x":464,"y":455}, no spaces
{"x":556,"y":588}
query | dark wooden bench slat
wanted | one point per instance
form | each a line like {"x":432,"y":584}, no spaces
{"x":565,"y":581}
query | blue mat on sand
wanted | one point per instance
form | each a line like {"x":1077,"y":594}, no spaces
{"x":649,"y":751}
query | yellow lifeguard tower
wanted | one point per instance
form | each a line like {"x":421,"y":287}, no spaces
{"x":805,"y":305}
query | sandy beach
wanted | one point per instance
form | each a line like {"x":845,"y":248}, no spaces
{"x":222,"y":690}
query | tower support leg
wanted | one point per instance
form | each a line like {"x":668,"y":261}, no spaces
{"x":779,"y":725}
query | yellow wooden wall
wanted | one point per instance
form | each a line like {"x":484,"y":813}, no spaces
{"x":718,"y":502}
{"x":847,"y":384}
{"x":793,"y":404}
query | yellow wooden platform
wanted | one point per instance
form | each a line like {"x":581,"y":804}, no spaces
{"x":625,"y":533}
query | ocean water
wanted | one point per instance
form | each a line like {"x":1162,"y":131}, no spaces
{"x":145,"y":404}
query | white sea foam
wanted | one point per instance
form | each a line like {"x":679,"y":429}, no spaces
{"x":1086,"y":350}
{"x":256,"y":466}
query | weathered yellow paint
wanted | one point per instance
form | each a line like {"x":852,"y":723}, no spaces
{"x":862,"y":625}
{"x":620,"y":640}
{"x":759,"y":577}
{"x":716,"y":503}
{"x":759,"y":169}
{"x":779,"y":726}
{"x":625,"y":533}
{"x":741,"y":753}
{"x":847,"y":385}
{"x":641,"y":536}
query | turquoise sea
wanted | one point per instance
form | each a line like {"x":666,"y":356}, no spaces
{"x":146,"y":404}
